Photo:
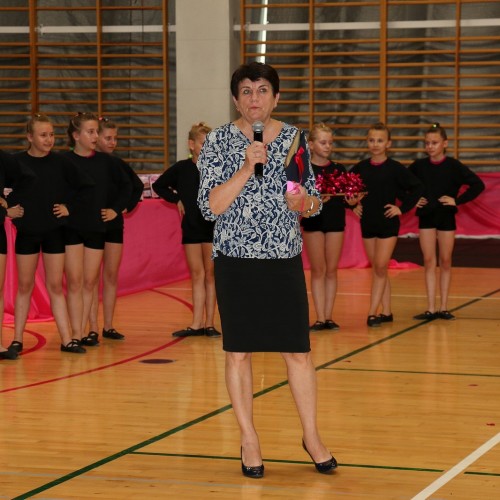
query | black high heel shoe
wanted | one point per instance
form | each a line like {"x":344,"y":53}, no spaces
{"x":255,"y":472}
{"x":323,"y":467}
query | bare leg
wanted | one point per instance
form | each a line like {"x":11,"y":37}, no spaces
{"x":194,"y":258}
{"x":379,"y":251}
{"x":446,"y":242}
{"x":210,"y":296}
{"x":112,"y":260}
{"x":302,"y":379}
{"x":26,"y":268}
{"x":73,"y":268}
{"x":94,"y":310}
{"x":92,"y":259}
{"x":315,"y":246}
{"x":240,"y":388}
{"x":427,"y":238}
{"x":54,"y":270}
{"x":333,"y":250}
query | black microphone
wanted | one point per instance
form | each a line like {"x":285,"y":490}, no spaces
{"x":258,"y":135}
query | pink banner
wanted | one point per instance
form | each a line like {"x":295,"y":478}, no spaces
{"x":153,"y":255}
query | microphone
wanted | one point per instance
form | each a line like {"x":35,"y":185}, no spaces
{"x":258,"y":135}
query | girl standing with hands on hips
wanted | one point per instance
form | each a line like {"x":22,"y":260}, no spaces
{"x":324,"y":234}
{"x":179,"y":184}
{"x":259,"y":278}
{"x":113,"y":238}
{"x":58,"y":188}
{"x":385,"y":180}
{"x":442,"y":177}
{"x":86,"y":228}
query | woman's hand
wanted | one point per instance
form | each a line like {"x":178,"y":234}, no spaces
{"x":15,"y":212}
{"x":296,"y":201}
{"x":358,"y":210}
{"x":180,"y":207}
{"x":108,"y":214}
{"x":325,"y":198}
{"x":421,"y":202}
{"x":60,"y":210}
{"x":3,"y":203}
{"x":391,"y":211}
{"x":255,"y":153}
{"x":354,"y":200}
{"x":447,"y":200}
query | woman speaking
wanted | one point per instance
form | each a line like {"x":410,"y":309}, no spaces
{"x":257,"y":243}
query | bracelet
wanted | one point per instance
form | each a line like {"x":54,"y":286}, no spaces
{"x":310,"y":209}
{"x":302,"y":206}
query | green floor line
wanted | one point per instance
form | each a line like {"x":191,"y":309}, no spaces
{"x":280,"y":461}
{"x":179,"y":428}
{"x":415,"y":372}
{"x":494,"y":474}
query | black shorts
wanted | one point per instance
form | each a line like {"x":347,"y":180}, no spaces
{"x":3,"y":241}
{"x":442,"y":221}
{"x":114,"y":234}
{"x":90,"y":239}
{"x":381,"y":232}
{"x":31,"y":243}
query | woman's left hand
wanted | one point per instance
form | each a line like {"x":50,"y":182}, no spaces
{"x":15,"y":212}
{"x":447,"y":200}
{"x":296,"y":202}
{"x":108,"y":214}
{"x":60,"y":210}
{"x":391,"y":211}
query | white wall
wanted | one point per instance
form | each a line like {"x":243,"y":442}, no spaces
{"x":207,"y":53}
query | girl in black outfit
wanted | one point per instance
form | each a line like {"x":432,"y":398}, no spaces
{"x":385,"y":180}
{"x":47,"y":206}
{"x":442,"y":177}
{"x":86,"y":229}
{"x":18,"y":178}
{"x":179,"y":184}
{"x":113,"y":245}
{"x":324,"y":234}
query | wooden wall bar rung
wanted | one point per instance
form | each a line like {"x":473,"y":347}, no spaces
{"x":61,"y":71}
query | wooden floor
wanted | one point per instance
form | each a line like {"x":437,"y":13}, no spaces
{"x":410,"y":410}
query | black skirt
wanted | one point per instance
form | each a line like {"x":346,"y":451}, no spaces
{"x":262,"y":304}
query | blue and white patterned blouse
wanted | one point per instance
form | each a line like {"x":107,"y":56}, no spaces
{"x":258,"y":224}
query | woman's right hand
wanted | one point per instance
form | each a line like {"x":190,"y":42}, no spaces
{"x":421,"y":202}
{"x":358,"y":210}
{"x":355,"y":199}
{"x":255,"y":153}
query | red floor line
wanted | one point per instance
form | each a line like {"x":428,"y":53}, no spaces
{"x":92,"y":370}
{"x":42,"y":341}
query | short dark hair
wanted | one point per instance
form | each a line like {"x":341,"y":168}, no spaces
{"x":255,"y":71}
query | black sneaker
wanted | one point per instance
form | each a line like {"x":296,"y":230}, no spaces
{"x":331,"y":325}
{"x":92,"y":339}
{"x":9,"y":354}
{"x":426,"y":315}
{"x":189,"y":332}
{"x":318,"y":326}
{"x":112,"y":334}
{"x":74,"y":347}
{"x":373,"y":321}
{"x":15,"y":346}
{"x":210,"y":331}
{"x":445,"y":315}
{"x":386,"y":318}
